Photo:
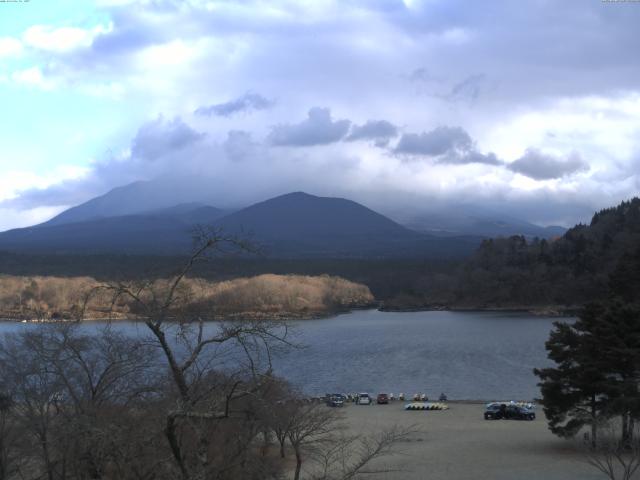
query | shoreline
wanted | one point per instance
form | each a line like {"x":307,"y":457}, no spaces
{"x":547,"y":312}
{"x":559,"y":311}
{"x":231,"y":316}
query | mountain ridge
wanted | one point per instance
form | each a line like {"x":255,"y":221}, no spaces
{"x":291,"y":225}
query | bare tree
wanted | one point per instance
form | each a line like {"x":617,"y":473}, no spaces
{"x":617,"y":459}
{"x":196,"y":354}
{"x":309,"y":428}
{"x":74,"y":397}
{"x":9,"y":436}
{"x":350,"y":456}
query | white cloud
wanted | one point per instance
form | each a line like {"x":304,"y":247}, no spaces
{"x":63,"y":39}
{"x":13,"y":182}
{"x":11,"y":218}
{"x":32,"y":77}
{"x":10,"y":47}
{"x":168,"y":58}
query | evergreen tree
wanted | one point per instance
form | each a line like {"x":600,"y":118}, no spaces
{"x":597,"y":370}
{"x":616,"y":328}
{"x":625,"y":279}
{"x":573,"y":392}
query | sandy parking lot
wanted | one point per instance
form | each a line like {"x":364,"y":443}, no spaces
{"x":458,"y":444}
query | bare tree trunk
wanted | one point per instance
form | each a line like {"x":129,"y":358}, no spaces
{"x":170,"y":432}
{"x":266,"y":443}
{"x":298,"y":462}
{"x":594,"y":426}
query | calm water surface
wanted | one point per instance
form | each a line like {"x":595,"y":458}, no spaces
{"x":467,"y":355}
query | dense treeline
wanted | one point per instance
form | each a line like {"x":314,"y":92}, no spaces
{"x":595,"y":379}
{"x":568,"y":271}
{"x":45,"y":298}
{"x":516,"y":272}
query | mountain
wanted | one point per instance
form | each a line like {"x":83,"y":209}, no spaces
{"x":162,"y":231}
{"x":473,"y":220}
{"x":299,"y":224}
{"x":129,"y":199}
{"x":141,"y":197}
{"x":292,"y":225}
{"x":165,"y":194}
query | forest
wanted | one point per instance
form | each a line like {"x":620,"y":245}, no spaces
{"x":512,"y":272}
{"x":516,"y":272}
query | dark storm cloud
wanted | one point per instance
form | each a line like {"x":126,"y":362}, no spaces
{"x":159,"y":137}
{"x":444,"y":145}
{"x":540,"y":166}
{"x":438,"y":141}
{"x":245,"y":103}
{"x":472,"y":156}
{"x":318,"y":129}
{"x":373,"y":130}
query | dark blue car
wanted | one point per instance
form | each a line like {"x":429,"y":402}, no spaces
{"x":500,"y":411}
{"x":335,"y":400}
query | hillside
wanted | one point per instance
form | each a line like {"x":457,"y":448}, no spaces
{"x":303,"y":225}
{"x":160,"y":232}
{"x":138,"y":198}
{"x":515,"y":272}
{"x":296,"y":225}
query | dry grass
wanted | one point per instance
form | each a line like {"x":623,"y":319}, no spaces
{"x":45,"y":298}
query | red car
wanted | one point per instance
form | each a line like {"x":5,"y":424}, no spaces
{"x":383,"y":398}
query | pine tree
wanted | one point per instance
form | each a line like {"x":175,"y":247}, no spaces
{"x":597,"y":372}
{"x":573,"y":392}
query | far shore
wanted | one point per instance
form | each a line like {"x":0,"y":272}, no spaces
{"x":543,"y":311}
{"x":549,"y":311}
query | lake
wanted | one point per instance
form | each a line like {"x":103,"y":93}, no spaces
{"x":467,"y":355}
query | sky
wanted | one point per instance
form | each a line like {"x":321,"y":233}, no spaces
{"x":529,"y":108}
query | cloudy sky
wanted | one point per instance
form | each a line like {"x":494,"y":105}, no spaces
{"x":527,"y":107}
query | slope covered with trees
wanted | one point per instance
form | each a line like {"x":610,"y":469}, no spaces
{"x":570,"y":270}
{"x":516,"y":272}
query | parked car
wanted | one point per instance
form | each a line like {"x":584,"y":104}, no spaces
{"x":516,"y":412}
{"x":363,"y":399}
{"x":382,"y":399}
{"x":494,"y":411}
{"x":499,"y":411}
{"x":335,"y":400}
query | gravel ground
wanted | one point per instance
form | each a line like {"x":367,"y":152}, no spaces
{"x":458,"y":444}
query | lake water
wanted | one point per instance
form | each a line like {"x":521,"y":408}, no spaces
{"x":467,"y":355}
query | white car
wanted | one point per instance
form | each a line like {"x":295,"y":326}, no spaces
{"x":364,"y":399}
